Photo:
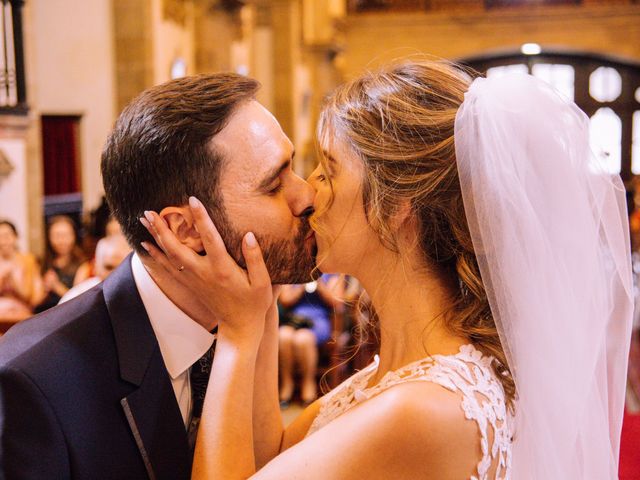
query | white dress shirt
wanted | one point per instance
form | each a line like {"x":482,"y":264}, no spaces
{"x":79,"y":289}
{"x":182,"y":340}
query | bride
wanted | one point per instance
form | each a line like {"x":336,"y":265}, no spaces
{"x":494,"y":248}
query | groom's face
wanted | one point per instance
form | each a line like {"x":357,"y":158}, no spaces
{"x":261,"y":193}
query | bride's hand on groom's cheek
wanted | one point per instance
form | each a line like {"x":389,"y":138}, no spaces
{"x":238,"y":299}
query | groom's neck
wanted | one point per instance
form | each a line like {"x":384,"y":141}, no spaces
{"x":180,"y":296}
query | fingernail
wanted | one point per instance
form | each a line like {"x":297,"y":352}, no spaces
{"x":250,"y":238}
{"x":145,"y":245}
{"x":145,"y":223}
{"x":194,"y":202}
{"x":148,"y":216}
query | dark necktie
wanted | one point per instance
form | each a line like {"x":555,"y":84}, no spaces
{"x":199,"y":378}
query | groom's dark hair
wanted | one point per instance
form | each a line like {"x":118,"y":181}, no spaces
{"x":159,"y":151}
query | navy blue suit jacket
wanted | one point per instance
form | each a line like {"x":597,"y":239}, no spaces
{"x":85,"y":394}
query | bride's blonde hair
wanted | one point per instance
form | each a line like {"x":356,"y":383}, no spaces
{"x":400,"y":121}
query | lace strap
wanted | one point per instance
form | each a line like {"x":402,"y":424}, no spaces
{"x":468,"y":373}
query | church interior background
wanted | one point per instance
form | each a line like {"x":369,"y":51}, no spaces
{"x":68,"y":67}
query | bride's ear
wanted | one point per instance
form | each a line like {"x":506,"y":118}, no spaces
{"x":181,"y":223}
{"x":404,"y":224}
{"x":402,"y":217}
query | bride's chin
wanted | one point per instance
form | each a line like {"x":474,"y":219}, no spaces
{"x":321,"y":257}
{"x":326,"y":261}
{"x":326,"y":256}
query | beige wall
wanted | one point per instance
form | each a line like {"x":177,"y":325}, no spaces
{"x":74,"y":73}
{"x":374,"y":38}
{"x":74,"y":66}
{"x":93,"y":61}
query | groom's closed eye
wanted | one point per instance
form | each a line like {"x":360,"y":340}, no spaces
{"x":271,"y":184}
{"x":277,"y":188}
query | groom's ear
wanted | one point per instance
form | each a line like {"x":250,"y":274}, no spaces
{"x":180,"y":222}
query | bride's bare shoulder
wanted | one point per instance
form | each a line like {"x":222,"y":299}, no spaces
{"x":411,"y":430}
{"x":427,"y":425}
{"x":430,"y":415}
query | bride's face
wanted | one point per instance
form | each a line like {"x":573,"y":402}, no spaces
{"x":343,"y":235}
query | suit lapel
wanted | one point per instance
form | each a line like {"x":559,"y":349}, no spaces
{"x":156,"y":424}
{"x":151,"y":410}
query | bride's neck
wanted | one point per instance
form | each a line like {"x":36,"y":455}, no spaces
{"x":410,"y":305}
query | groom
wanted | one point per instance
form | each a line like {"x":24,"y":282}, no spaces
{"x":103,"y":386}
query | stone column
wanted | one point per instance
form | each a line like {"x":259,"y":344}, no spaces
{"x":24,"y":205}
{"x":286,"y":54}
{"x":133,"y":32}
{"x":215,"y":31}
{"x":262,"y":64}
{"x":322,"y":37}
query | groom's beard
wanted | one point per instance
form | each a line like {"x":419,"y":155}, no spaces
{"x":288,"y":261}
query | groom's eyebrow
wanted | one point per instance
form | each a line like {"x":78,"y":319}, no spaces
{"x":274,"y":174}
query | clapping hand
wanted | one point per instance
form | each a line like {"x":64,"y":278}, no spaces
{"x":5,"y":276}
{"x":50,"y":278}
{"x":52,"y":283}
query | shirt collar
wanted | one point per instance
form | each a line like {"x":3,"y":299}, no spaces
{"x":182,"y":340}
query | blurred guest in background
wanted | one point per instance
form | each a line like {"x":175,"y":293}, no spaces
{"x":112,"y":228}
{"x":20,"y":282}
{"x":306,"y":325}
{"x":63,"y":259}
{"x":633,"y":372}
{"x":110,"y":252}
{"x":633,"y":206}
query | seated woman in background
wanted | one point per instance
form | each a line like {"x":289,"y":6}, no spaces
{"x":63,"y":259}
{"x":306,"y":327}
{"x":20,"y":282}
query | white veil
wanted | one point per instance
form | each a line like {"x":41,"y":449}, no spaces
{"x":550,"y":231}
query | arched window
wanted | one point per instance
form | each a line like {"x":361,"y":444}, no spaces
{"x":606,"y":89}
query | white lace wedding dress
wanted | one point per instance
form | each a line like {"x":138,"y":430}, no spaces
{"x":469,"y":373}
